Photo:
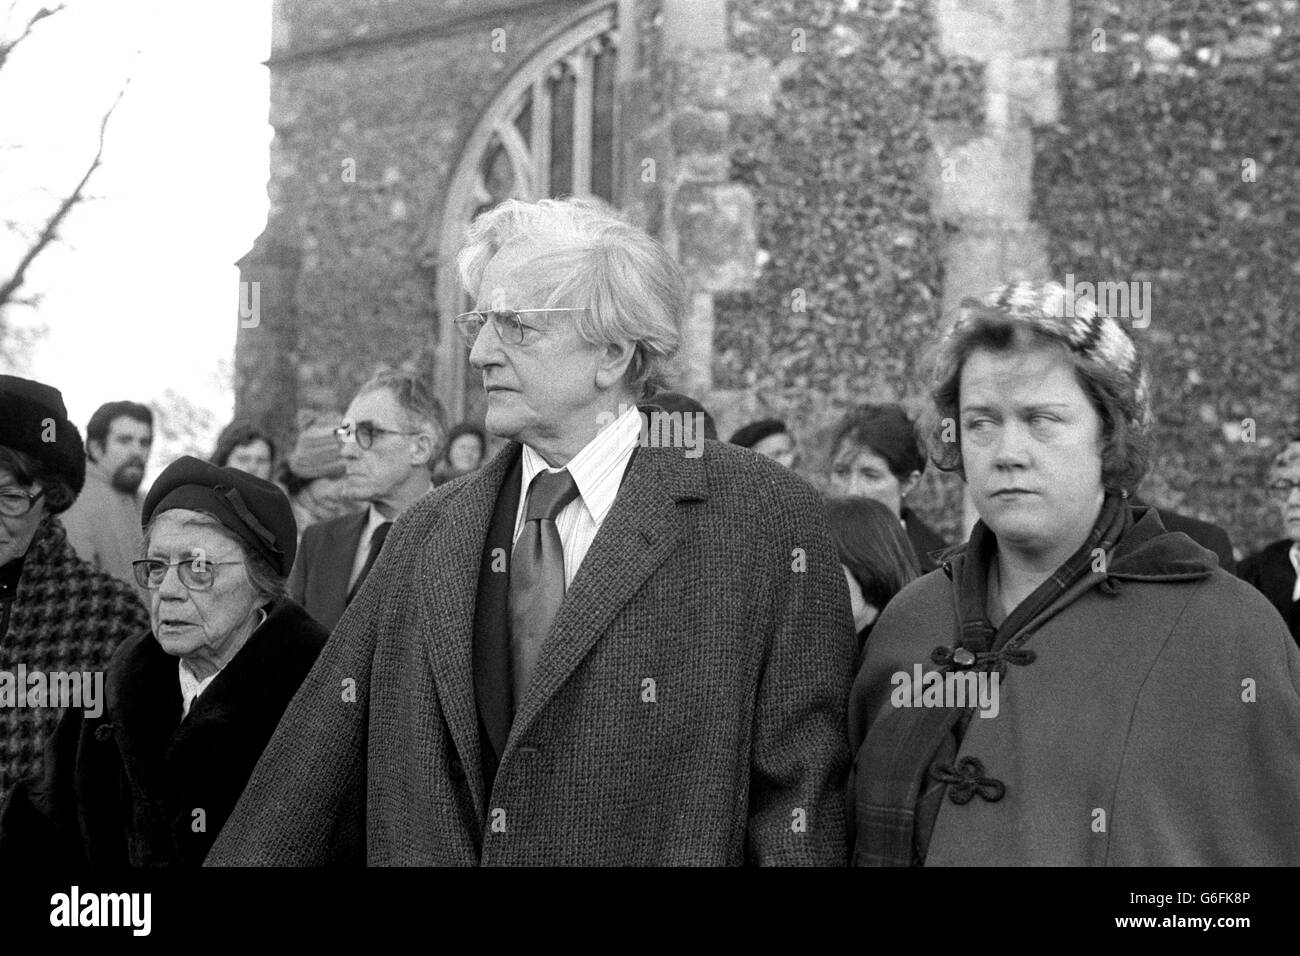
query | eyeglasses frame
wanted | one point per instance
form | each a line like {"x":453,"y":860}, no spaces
{"x":32,"y":498}
{"x":140,"y":562}
{"x":345,"y":434}
{"x":483,"y":316}
{"x":1282,"y":488}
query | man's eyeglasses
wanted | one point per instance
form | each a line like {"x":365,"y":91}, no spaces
{"x":510,"y":323}
{"x":1282,"y":488}
{"x":196,"y":573}
{"x":363,"y":433}
{"x":15,"y":503}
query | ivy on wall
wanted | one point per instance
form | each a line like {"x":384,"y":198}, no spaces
{"x":849,"y":278}
{"x":1177,"y":162}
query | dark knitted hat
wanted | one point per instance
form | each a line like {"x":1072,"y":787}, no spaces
{"x":753,"y":433}
{"x":33,"y":420}
{"x":255,"y":511}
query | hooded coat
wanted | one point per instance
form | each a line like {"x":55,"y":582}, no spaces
{"x":141,"y":786}
{"x":1156,"y":723}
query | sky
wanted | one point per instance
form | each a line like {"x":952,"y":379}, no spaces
{"x":141,"y":295}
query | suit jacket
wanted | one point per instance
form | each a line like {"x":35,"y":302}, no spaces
{"x":1273,"y":575}
{"x":688,"y":708}
{"x":319,"y":580}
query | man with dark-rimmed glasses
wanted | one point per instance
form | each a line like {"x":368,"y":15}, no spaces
{"x":391,"y":431}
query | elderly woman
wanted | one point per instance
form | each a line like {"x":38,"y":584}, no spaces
{"x":875,"y":454}
{"x":151,"y":779}
{"x":1142,"y":705}
{"x":58,"y":615}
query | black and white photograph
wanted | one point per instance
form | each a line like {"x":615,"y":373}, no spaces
{"x":844,"y":434}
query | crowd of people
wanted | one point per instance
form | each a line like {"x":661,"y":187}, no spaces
{"x":389,"y":646}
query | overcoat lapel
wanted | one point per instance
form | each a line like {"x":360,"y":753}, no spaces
{"x":491,"y":639}
{"x":639,"y":533}
{"x":447,"y":588}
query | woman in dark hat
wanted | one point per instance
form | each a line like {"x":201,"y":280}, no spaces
{"x":189,"y":707}
{"x":1078,"y":686}
{"x":57,"y":613}
{"x":876,"y":556}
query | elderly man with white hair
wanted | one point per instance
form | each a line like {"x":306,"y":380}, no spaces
{"x":594,"y":650}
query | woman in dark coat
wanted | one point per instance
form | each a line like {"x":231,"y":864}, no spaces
{"x":58,"y":615}
{"x":189,"y":707}
{"x":1078,"y":686}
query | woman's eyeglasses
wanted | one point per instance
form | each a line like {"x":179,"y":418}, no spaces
{"x":1282,"y":488}
{"x":15,"y":503}
{"x":363,"y":433}
{"x":196,"y":573}
{"x":509,"y":323}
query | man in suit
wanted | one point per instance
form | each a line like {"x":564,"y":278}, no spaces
{"x":602,"y":647}
{"x":1275,"y":571}
{"x":391,"y":431}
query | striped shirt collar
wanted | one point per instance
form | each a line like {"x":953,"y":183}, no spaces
{"x":598,"y":469}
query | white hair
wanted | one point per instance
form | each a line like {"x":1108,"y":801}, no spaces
{"x":631,"y":287}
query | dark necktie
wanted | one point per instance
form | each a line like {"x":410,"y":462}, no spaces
{"x":537,"y":575}
{"x":376,"y":545}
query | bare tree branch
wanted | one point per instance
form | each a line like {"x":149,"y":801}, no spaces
{"x":51,"y":228}
{"x":37,"y":17}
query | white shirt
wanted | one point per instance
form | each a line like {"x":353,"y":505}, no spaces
{"x":363,"y":549}
{"x":191,"y":687}
{"x":597,"y":470}
{"x":1295,"y":563}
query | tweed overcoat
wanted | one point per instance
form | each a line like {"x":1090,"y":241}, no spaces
{"x":688,"y":707}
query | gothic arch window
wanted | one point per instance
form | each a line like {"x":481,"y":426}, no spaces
{"x":550,"y":131}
